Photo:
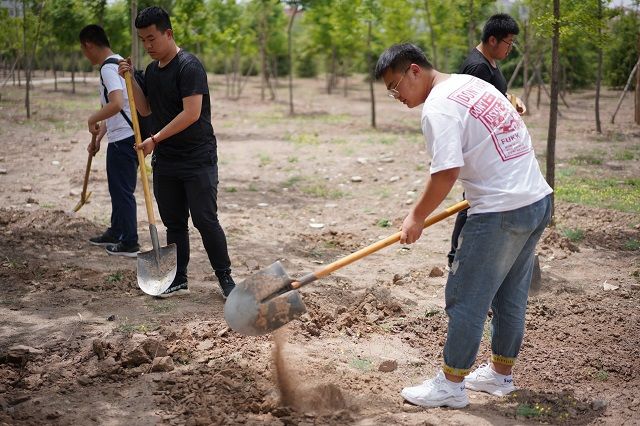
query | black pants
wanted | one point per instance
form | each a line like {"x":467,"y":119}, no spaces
{"x":122,"y":169}
{"x":191,"y":188}
{"x":461,"y":218}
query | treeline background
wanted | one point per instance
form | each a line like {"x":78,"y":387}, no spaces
{"x":331,"y":38}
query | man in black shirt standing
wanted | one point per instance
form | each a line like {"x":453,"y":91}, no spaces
{"x":498,"y":36}
{"x":185,"y":162}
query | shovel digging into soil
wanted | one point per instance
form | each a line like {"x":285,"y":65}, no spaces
{"x":84,"y":196}
{"x":157,"y":267}
{"x":270,"y":299}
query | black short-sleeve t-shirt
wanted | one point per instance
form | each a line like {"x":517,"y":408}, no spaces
{"x":165,"y":87}
{"x":479,"y":66}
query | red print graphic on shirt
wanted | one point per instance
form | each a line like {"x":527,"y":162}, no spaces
{"x":503,"y":122}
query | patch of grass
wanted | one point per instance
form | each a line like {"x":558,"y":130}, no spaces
{"x":601,"y":375}
{"x":384,"y":223}
{"x":47,"y":205}
{"x":531,"y":411}
{"x":421,"y":168}
{"x":115,"y":277}
{"x":591,"y":158}
{"x":574,"y":235}
{"x":305,"y":139}
{"x":12,"y":264}
{"x":625,"y":155}
{"x":252,"y":187}
{"x":431,"y":312}
{"x":161,"y":307}
{"x":128,"y":328}
{"x":615,"y":194}
{"x":231,"y":189}
{"x":292,"y":159}
{"x":291,"y":181}
{"x":361,"y":364}
{"x":632,"y":244}
{"x":264,"y":159}
{"x":320,"y":190}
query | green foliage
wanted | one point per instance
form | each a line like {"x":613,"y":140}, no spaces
{"x":620,"y":195}
{"x":618,"y":62}
{"x":574,"y":235}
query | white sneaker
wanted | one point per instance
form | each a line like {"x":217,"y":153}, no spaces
{"x":484,"y":379}
{"x":437,"y":392}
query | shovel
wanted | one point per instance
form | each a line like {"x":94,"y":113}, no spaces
{"x":270,"y":299}
{"x":157,"y":267}
{"x":84,"y":196}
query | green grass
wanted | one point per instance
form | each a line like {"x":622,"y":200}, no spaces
{"x":632,"y":245}
{"x":115,"y":277}
{"x":384,"y":223}
{"x":320,"y":190}
{"x":574,"y":235}
{"x":361,"y":364}
{"x":304,"y":139}
{"x":128,"y":328}
{"x":160,"y":307}
{"x":625,"y":155}
{"x":601,"y":375}
{"x":531,"y":411}
{"x":614,"y":194}
{"x":264,"y":159}
{"x":292,"y":181}
{"x":591,"y":158}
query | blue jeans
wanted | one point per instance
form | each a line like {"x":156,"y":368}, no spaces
{"x":122,"y":166}
{"x":492,"y":268}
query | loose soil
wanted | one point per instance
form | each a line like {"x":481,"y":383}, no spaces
{"x":81,"y":344}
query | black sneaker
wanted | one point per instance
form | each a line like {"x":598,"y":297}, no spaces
{"x":176,"y":289}
{"x":226,"y":283}
{"x":120,"y":249}
{"x":104,"y":240}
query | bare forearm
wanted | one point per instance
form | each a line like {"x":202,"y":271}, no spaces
{"x":142,"y":104}
{"x":178,"y":124}
{"x":109,"y":110}
{"x":437,"y":187}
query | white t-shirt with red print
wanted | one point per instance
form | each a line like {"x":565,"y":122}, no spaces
{"x":469,"y":124}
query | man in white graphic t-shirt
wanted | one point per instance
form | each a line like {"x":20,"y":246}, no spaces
{"x":474,"y":135}
{"x":114,"y":120}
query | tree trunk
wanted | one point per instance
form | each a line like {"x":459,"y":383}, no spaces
{"x":471,"y":26}
{"x":134,"y":34}
{"x":27,"y":104}
{"x":599,"y":75}
{"x":525,"y":69}
{"x":371,"y":65}
{"x":432,"y":37}
{"x":73,"y":73}
{"x":262,"y":41}
{"x":553,"y":108}
{"x":290,"y":53}
{"x":638,"y":88}
{"x":626,"y":87}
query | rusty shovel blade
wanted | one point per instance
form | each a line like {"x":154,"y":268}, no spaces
{"x":263,"y":302}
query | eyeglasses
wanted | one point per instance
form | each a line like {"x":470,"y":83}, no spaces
{"x":393,"y":93}
{"x":511,"y":43}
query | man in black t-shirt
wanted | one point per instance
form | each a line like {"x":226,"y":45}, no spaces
{"x":498,"y":36}
{"x":185,"y":162}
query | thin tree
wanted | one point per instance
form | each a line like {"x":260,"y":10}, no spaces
{"x":553,"y":109}
{"x":599,"y":72}
{"x":294,"y":7}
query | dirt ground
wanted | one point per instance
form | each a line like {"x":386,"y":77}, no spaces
{"x":81,"y":344}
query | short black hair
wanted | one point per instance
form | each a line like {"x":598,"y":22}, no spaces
{"x":399,"y":57}
{"x":94,"y":34}
{"x":499,"y":26}
{"x":153,"y":15}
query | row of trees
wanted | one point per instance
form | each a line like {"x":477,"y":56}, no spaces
{"x":569,"y":44}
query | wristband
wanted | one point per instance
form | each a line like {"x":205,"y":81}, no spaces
{"x":153,"y":138}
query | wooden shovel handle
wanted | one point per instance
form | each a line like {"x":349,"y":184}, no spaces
{"x":375,"y":247}
{"x":87,"y":170}
{"x":136,"y":132}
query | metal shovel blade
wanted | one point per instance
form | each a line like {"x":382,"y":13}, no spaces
{"x":245,"y":310}
{"x":157,"y":269}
